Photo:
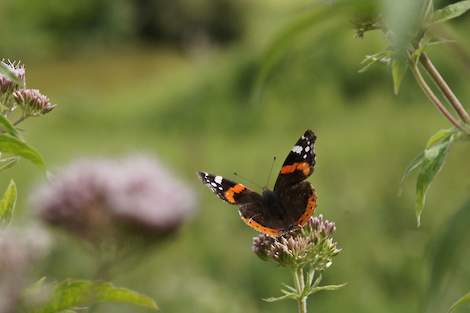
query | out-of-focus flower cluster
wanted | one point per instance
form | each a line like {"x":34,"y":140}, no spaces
{"x":102,"y":199}
{"x":14,"y":94}
{"x":313,"y":246}
{"x":19,"y":250}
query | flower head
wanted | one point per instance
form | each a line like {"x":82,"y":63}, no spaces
{"x":312,"y":245}
{"x":99,"y":199}
{"x":33,"y":102}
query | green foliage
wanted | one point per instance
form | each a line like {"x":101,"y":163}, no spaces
{"x":13,"y":146}
{"x":8,"y":127}
{"x":71,"y":294}
{"x":7,"y":204}
{"x":464,"y":299}
{"x":429,"y":163}
{"x":450,"y":12}
{"x":399,"y":68}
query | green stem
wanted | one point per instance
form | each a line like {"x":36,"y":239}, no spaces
{"x":434,"y":99}
{"x":299,"y":281}
{"x":442,"y":84}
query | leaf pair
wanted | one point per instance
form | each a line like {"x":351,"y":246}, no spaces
{"x":429,"y":163}
{"x":70,"y":295}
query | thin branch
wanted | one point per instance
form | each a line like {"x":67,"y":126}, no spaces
{"x":441,"y":83}
{"x":434,"y":99}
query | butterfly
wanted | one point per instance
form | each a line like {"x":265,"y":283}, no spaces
{"x":292,"y":201}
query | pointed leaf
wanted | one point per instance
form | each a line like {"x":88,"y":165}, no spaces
{"x":74,"y":293}
{"x":326,"y":288}
{"x":369,"y":60}
{"x":417,"y":161}
{"x":7,"y":126}
{"x":8,"y":163}
{"x":7,"y":204}
{"x":440,"y":135}
{"x":286,"y":296}
{"x":462,"y":300}
{"x":433,"y":161}
{"x":399,"y":68}
{"x":451,"y":11}
{"x":14,"y":146}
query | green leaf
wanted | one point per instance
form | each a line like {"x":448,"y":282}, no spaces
{"x":399,"y":68}
{"x":75,"y":293}
{"x":433,"y":160}
{"x":325,"y":288}
{"x":9,"y":128}
{"x":285,"y":296}
{"x":8,"y":163}
{"x":450,"y":12}
{"x":7,"y":72}
{"x":369,"y":60}
{"x":14,"y":146}
{"x":462,"y":300}
{"x":7,"y":204}
{"x":416,"y":163}
{"x":440,"y":135}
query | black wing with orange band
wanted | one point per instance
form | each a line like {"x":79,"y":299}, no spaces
{"x":251,"y":203}
{"x":232,"y":192}
{"x":299,"y":163}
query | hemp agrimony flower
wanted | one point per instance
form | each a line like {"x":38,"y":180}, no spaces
{"x":103,"y":200}
{"x":33,"y":102}
{"x":307,"y":251}
{"x":120,"y":208}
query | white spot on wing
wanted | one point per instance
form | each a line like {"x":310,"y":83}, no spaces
{"x":214,"y":184}
{"x":307,"y":149}
{"x":297,"y":149}
{"x":218,"y":179}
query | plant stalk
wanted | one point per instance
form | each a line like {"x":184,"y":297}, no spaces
{"x":446,"y":90}
{"x":434,"y":99}
{"x":299,"y":281}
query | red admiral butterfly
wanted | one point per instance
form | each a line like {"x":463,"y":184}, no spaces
{"x":292,"y":201}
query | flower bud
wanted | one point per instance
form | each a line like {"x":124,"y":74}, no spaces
{"x":33,"y":102}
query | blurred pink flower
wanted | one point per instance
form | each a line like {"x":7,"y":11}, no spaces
{"x":19,"y":250}
{"x":94,"y":198}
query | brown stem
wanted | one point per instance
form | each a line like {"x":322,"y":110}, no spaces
{"x":441,"y":83}
{"x":434,"y":99}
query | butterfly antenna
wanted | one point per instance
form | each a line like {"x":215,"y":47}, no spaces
{"x":247,"y":180}
{"x":270,"y":172}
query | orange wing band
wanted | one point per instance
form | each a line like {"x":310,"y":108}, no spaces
{"x":302,"y":166}
{"x":262,"y":229}
{"x":232,"y":191}
{"x":311,"y":205}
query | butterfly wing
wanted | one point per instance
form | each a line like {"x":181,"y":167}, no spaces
{"x":229,"y":191}
{"x":296,"y":194}
{"x":252,"y":210}
{"x":299,"y":163}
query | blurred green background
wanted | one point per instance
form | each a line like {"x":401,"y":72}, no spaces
{"x":176,"y":79}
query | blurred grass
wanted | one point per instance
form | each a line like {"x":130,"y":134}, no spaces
{"x":195,"y":111}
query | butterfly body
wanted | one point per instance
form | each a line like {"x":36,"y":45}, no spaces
{"x":292,"y":201}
